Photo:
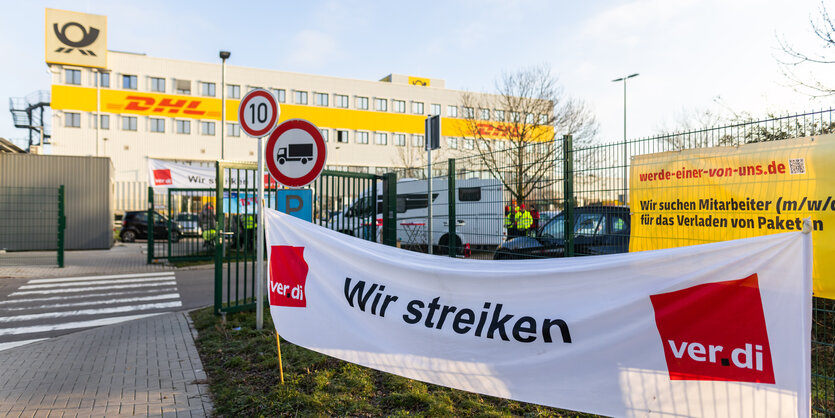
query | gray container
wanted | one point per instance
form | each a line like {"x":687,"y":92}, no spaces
{"x":88,"y":185}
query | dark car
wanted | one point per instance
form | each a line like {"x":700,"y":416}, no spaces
{"x":597,"y":230}
{"x":135,"y":226}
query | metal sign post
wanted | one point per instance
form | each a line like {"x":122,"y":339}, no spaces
{"x":433,"y":141}
{"x":258,"y":114}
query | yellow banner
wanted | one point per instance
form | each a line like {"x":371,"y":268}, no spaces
{"x":419,"y":81}
{"x":74,"y":38}
{"x":723,"y":193}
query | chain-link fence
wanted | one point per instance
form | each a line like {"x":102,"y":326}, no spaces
{"x":32,"y":225}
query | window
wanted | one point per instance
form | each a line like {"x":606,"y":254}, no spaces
{"x":183,"y":126}
{"x":72,"y":120}
{"x":469,"y":194}
{"x":321,"y":99}
{"x":484,"y":114}
{"x":233,"y":91}
{"x":207,"y":128}
{"x":207,"y":89}
{"x":158,"y":84}
{"x":413,"y":201}
{"x":543,"y":119}
{"x":498,"y":115}
{"x":469,"y":112}
{"x":324,"y":134}
{"x":105,"y":122}
{"x":157,"y":125}
{"x":435,"y":109}
{"x":233,"y":129}
{"x":362,"y":103}
{"x":400,"y":140}
{"x":72,"y":76}
{"x":514,"y":117}
{"x":398,"y":106}
{"x":417,"y":108}
{"x":529,"y":118}
{"x":381,"y":105}
{"x":341,"y":101}
{"x":280,"y":95}
{"x":362,"y":137}
{"x":301,"y":97}
{"x":342,"y":136}
{"x":104,"y":79}
{"x":128,"y":123}
{"x":418,"y":141}
{"x":129,"y":82}
{"x":468,"y":144}
{"x":183,"y":87}
{"x":452,"y":143}
{"x":381,"y":138}
{"x":452,"y":111}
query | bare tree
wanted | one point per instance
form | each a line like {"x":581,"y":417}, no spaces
{"x":824,"y":29}
{"x":515,"y":130}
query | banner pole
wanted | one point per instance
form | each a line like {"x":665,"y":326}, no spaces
{"x":280,"y":366}
{"x":259,"y":253}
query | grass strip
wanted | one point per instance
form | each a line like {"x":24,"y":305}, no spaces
{"x":242,"y":367}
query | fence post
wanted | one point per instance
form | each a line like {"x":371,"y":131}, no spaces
{"x":451,"y":217}
{"x":218,"y":238}
{"x":390,"y":209}
{"x":62,"y":225}
{"x":150,"y":225}
{"x":568,"y":194}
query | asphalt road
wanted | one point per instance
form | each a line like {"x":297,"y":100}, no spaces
{"x":38,"y":308}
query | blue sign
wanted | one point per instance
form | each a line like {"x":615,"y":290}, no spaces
{"x":298,"y":203}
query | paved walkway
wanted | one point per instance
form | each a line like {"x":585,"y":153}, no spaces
{"x":144,"y":367}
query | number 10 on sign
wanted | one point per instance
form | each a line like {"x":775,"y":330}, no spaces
{"x":258,"y":113}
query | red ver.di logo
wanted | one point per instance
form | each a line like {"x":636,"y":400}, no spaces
{"x":162,"y":177}
{"x":715,"y":331}
{"x":288,"y":273}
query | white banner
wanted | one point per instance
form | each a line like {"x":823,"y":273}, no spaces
{"x":712,"y":330}
{"x":164,"y":174}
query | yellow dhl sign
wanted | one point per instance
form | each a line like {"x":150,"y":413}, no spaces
{"x":419,"y":81}
{"x":83,"y":99}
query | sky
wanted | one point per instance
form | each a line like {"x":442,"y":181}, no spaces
{"x":718,"y":55}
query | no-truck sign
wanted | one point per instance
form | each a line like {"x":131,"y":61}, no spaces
{"x":296,"y":153}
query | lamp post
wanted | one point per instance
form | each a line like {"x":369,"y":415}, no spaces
{"x":223,"y":56}
{"x":625,"y":156}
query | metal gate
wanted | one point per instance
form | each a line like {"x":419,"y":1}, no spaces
{"x":335,"y":195}
{"x":182,"y":224}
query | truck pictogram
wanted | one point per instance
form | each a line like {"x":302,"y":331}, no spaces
{"x":296,"y":152}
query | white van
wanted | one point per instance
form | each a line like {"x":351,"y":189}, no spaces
{"x":479,"y":213}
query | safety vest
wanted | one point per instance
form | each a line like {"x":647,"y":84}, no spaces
{"x":508,"y":220}
{"x":249,"y":222}
{"x":524,"y":219}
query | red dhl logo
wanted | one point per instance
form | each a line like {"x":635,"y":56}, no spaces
{"x":166,"y":105}
{"x":492,"y":131}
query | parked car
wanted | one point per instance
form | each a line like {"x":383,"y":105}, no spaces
{"x":597,"y":230}
{"x":190,"y":224}
{"x":135,"y":226}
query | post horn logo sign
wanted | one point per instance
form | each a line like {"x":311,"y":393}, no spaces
{"x":76,"y":38}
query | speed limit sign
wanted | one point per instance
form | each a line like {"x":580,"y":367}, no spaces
{"x":258,"y":113}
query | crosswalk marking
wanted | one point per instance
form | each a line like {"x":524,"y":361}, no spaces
{"x":84,"y":289}
{"x":93,"y":283}
{"x":118,"y":276}
{"x":44,"y":305}
{"x":73,"y":325}
{"x":97,"y":302}
{"x":89,"y":295}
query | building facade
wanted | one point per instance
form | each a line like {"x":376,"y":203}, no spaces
{"x":143,"y":107}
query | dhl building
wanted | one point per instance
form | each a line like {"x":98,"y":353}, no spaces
{"x":131,"y":107}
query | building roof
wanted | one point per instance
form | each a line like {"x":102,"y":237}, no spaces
{"x":7,"y":146}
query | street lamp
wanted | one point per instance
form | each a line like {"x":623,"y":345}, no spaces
{"x":223,"y":56}
{"x":625,"y":157}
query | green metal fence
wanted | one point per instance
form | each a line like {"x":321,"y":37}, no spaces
{"x":32,"y":225}
{"x":583,"y":179}
{"x":342,"y":201}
